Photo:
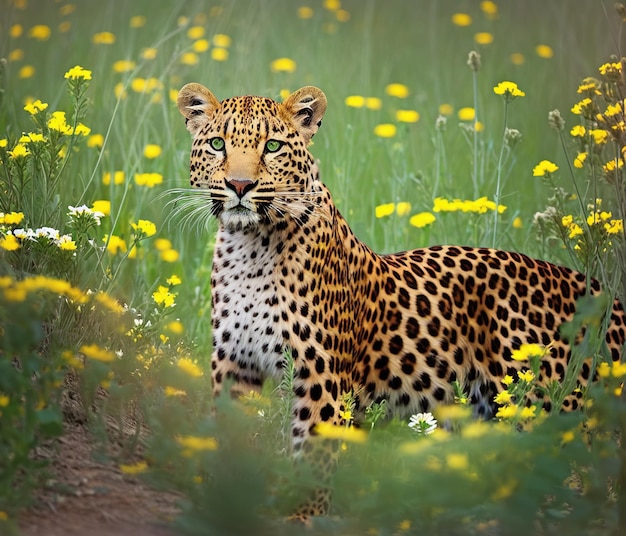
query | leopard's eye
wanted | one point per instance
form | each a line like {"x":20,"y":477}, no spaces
{"x":273,"y":145}
{"x":217,"y":143}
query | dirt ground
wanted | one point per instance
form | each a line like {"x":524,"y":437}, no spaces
{"x":84,"y":497}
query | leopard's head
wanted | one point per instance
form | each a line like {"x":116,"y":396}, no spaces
{"x":249,"y":154}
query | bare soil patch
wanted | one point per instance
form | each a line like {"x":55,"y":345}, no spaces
{"x":87,"y":497}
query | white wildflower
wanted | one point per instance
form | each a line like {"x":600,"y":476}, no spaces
{"x":423,"y":423}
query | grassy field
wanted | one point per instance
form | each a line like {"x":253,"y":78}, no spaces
{"x":417,"y":148}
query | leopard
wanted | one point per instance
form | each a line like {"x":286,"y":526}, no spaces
{"x":290,"y":277}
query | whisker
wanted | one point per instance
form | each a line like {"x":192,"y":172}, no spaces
{"x":192,"y":207}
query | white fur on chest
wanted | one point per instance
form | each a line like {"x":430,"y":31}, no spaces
{"x":247,"y":323}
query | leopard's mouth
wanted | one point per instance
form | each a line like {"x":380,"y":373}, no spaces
{"x":239,"y":218}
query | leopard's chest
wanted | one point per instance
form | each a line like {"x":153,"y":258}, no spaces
{"x":247,"y":313}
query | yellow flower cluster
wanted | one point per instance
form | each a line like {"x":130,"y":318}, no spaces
{"x":189,"y":367}
{"x":97,"y":353}
{"x":342,"y":433}
{"x":387,"y":209}
{"x":19,"y":290}
{"x":149,"y":180}
{"x":197,"y":444}
{"x":480,"y":205}
{"x":614,"y":370}
{"x":508,"y":90}
{"x":144,"y":228}
{"x":12,"y":218}
{"x":545,"y":168}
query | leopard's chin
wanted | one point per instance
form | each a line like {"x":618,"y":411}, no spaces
{"x":239,"y":219}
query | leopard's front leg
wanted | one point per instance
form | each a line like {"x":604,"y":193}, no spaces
{"x":224,"y":370}
{"x":317,"y":400}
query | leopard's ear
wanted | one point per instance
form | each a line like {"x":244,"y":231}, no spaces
{"x":197,"y":104}
{"x":305,"y":109}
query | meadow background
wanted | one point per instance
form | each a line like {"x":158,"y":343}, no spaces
{"x":414,"y":149}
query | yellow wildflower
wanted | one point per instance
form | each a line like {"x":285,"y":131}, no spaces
{"x":176,"y":327}
{"x":355,"y":101}
{"x":305,"y":12}
{"x":286,"y":65}
{"x":526,"y":351}
{"x":544,"y":51}
{"x":600,"y":135}
{"x":397,"y":90}
{"x":152,"y":150}
{"x":12,"y":218}
{"x":95,"y":140}
{"x":196,"y":443}
{"x":504,"y":490}
{"x":407,"y":116}
{"x":373,"y":103}
{"x":173,"y":392}
{"x":578,"y":131}
{"x":466,"y":114}
{"x":189,"y":58}
{"x":138,"y":21}
{"x":189,"y":367}
{"x":343,"y":433}
{"x":93,"y":351}
{"x":163,"y":296}
{"x":385,"y":130}
{"x":103,"y":38}
{"x":35,"y":107}
{"x":19,"y":151}
{"x":612,"y":165}
{"x":219,"y":54}
{"x":610,"y":68}
{"x":118,"y":178}
{"x":123,"y":66}
{"x":526,"y":375}
{"x":27,"y":71}
{"x":582,"y":106}
{"x":422,"y":219}
{"x":461,"y":19}
{"x":483,"y":38}
{"x":385,"y":210}
{"x":579,"y":161}
{"x":221,"y":40}
{"x":173,"y":280}
{"x":507,"y":412}
{"x":148,"y":179}
{"x":145,"y":228}
{"x":457,"y":461}
{"x":507,"y":88}
{"x":115,"y":244}
{"x":544,"y":169}
{"x":9,"y":242}
{"x":102,"y":205}
{"x":135,"y":468}
{"x":507,"y":380}
{"x":403,"y":208}
{"x":41,"y":32}
{"x":78,"y":72}
{"x":614,"y":227}
{"x":57,"y":122}
{"x":503,"y":397}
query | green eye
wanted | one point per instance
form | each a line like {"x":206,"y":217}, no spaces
{"x":272,"y":146}
{"x":217,"y":143}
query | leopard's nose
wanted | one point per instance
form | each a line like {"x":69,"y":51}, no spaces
{"x":240,"y":186}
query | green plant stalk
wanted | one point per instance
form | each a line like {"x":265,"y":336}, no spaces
{"x":497,"y":194}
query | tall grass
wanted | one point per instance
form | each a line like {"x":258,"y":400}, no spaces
{"x":134,"y":321}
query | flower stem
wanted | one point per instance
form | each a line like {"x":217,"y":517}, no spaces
{"x":496,"y":196}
